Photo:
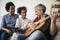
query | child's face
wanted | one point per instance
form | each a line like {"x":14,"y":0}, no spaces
{"x":11,"y":10}
{"x":23,"y":13}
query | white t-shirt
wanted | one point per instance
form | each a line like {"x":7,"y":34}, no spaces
{"x":22,"y":23}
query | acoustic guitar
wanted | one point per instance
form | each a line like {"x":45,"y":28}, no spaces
{"x":38,"y":24}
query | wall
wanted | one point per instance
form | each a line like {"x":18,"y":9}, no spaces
{"x":30,"y":4}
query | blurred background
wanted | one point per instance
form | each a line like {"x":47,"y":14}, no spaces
{"x":30,"y":4}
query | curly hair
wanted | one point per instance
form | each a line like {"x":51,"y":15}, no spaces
{"x":20,"y":9}
{"x":8,"y":5}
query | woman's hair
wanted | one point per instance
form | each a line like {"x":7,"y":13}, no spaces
{"x":41,"y":6}
{"x":8,"y":5}
{"x":20,"y":9}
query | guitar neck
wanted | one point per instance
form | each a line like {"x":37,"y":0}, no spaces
{"x":41,"y":20}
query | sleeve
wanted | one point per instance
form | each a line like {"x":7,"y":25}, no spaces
{"x":3,"y":23}
{"x":18,"y":24}
{"x":46,"y":25}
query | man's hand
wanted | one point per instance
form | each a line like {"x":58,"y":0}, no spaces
{"x":31,"y":25}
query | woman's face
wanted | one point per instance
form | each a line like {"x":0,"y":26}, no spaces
{"x":38,"y":12}
{"x":11,"y":10}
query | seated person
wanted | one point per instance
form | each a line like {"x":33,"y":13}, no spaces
{"x":21,"y":22}
{"x":56,"y":16}
{"x":41,"y":33}
{"x":8,"y":21}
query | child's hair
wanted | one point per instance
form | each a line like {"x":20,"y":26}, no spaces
{"x":20,"y":9}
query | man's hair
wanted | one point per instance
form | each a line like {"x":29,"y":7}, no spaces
{"x":41,"y":6}
{"x":20,"y":9}
{"x":8,"y":5}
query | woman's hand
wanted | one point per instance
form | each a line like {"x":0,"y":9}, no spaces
{"x":31,"y":25}
{"x":53,"y":15}
{"x":8,"y":31}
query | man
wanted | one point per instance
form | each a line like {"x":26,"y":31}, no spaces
{"x":21,"y":22}
{"x":8,"y":21}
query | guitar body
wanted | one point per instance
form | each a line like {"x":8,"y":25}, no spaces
{"x":30,"y":31}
